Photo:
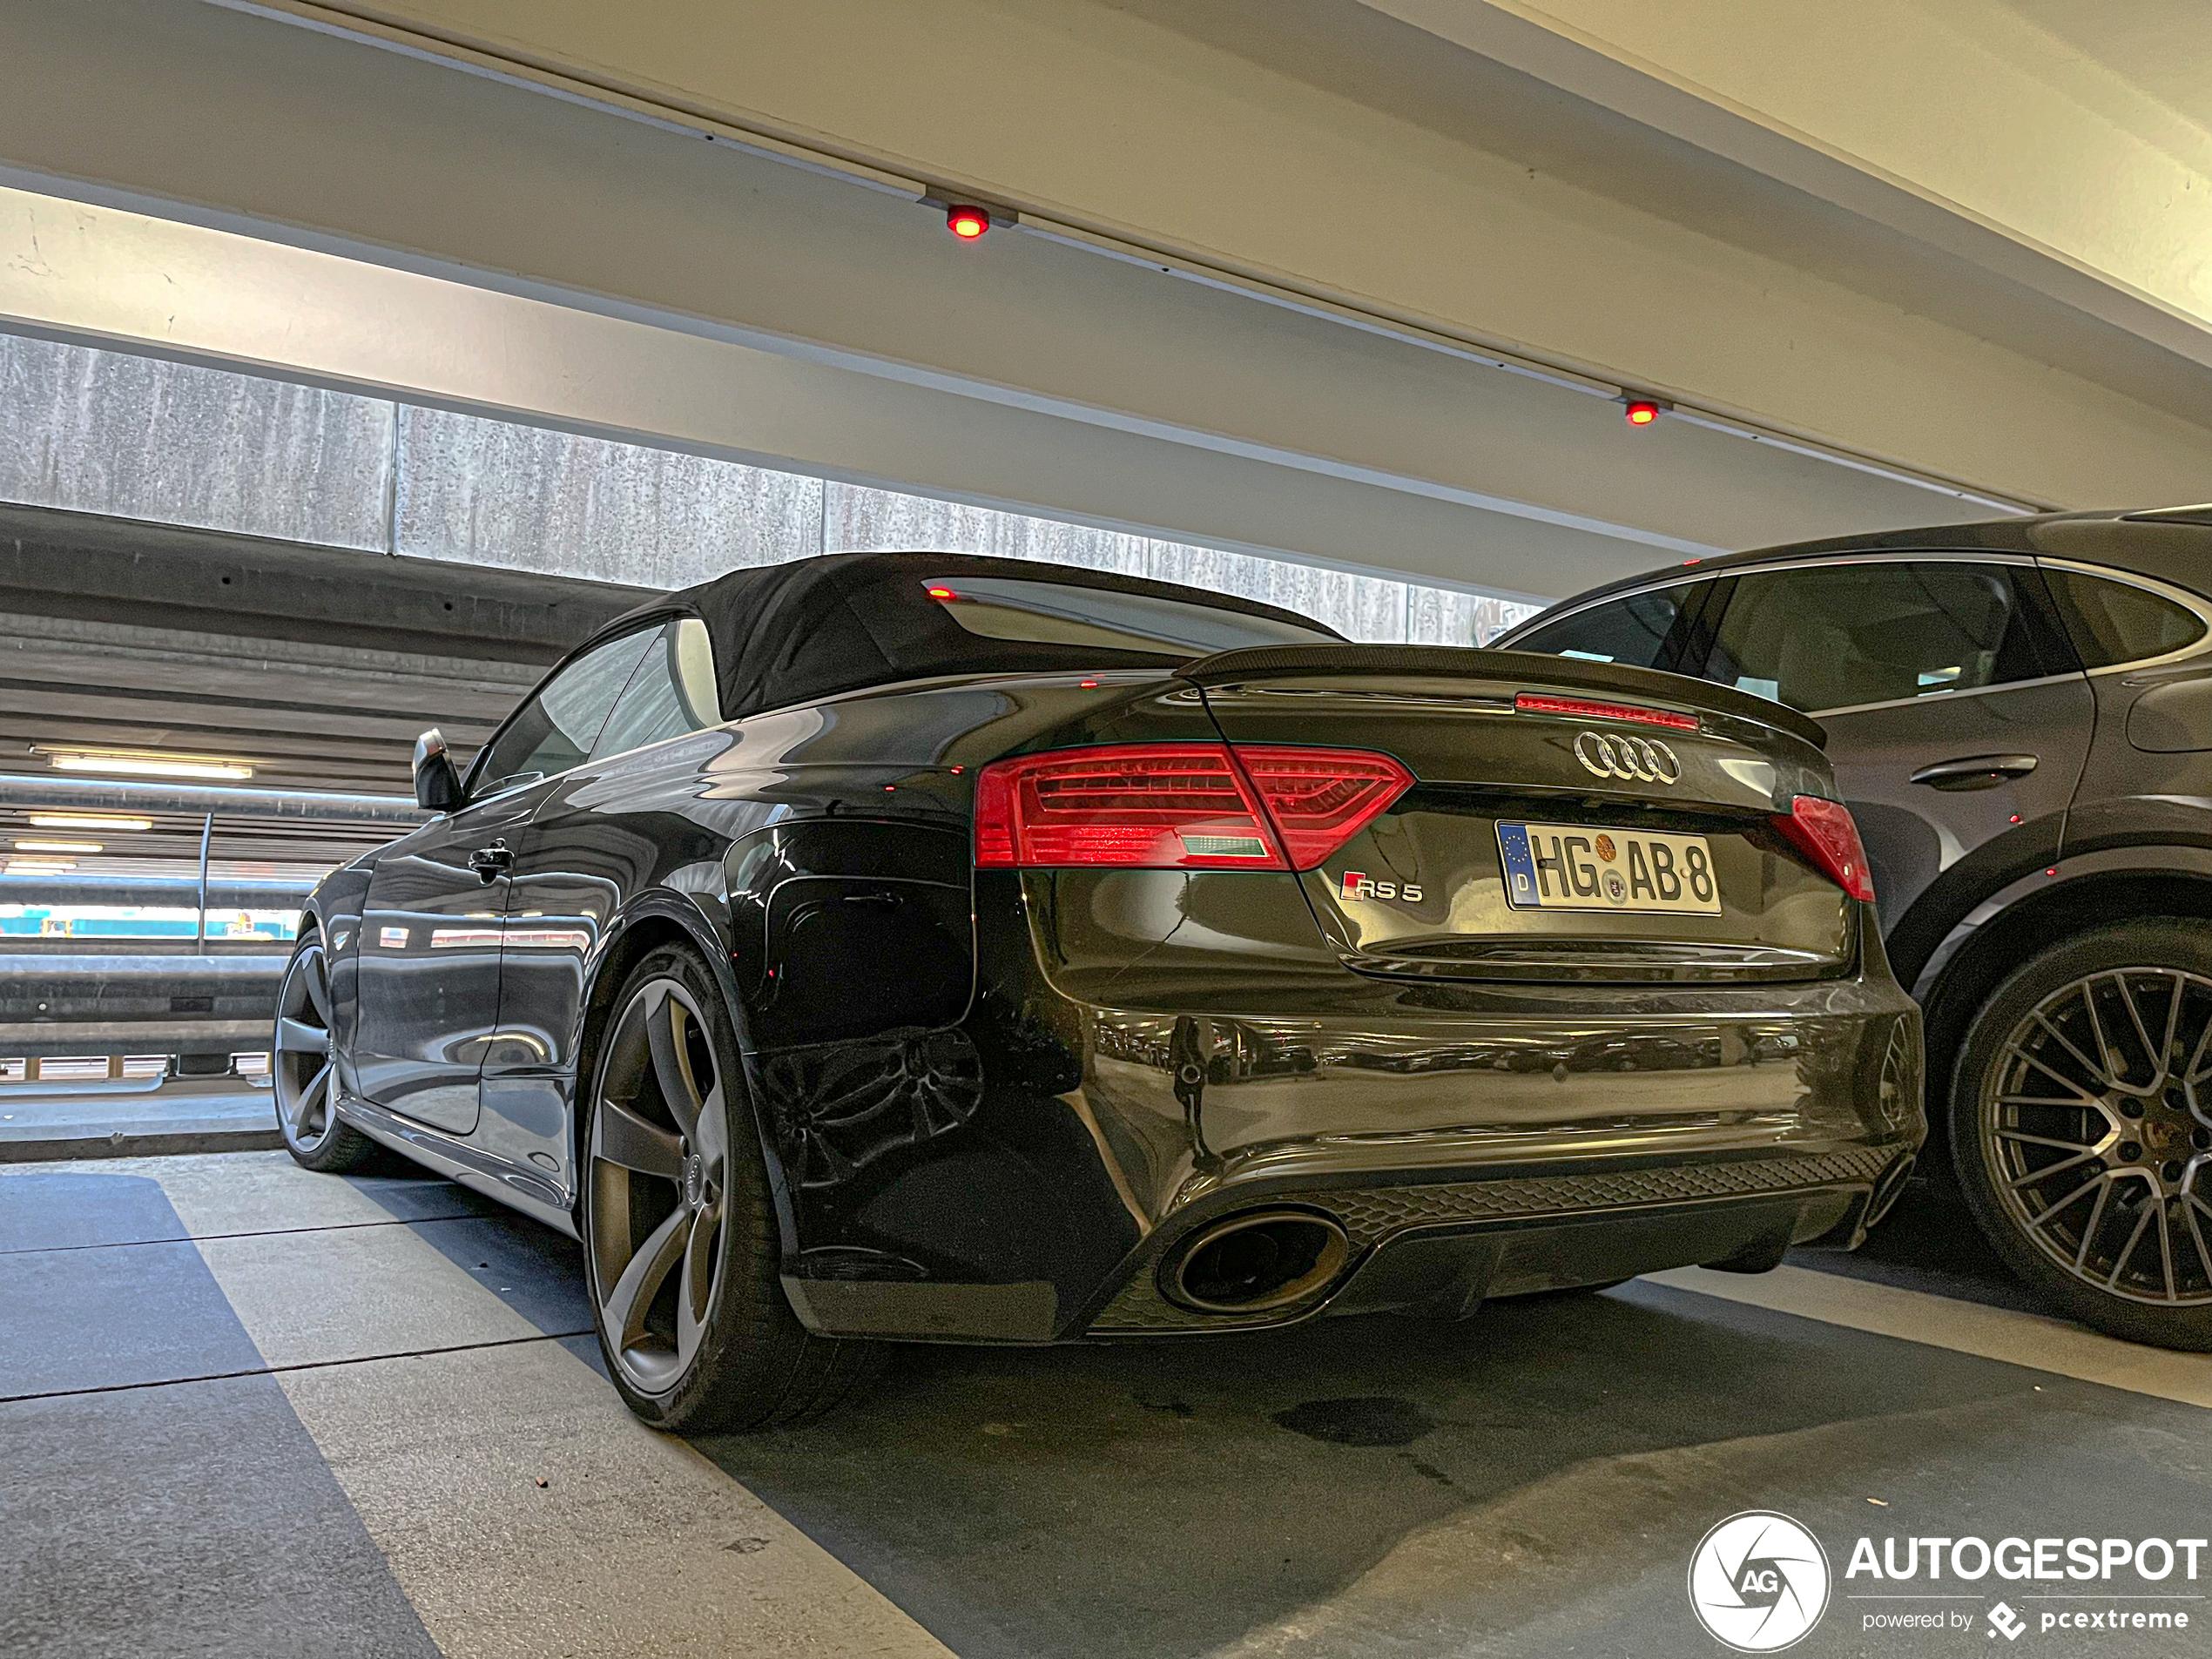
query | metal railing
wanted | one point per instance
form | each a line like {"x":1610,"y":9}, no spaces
{"x":69,"y":996}
{"x":57,"y":1004}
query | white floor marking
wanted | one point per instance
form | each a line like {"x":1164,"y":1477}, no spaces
{"x":358,"y":1293}
{"x":2026,"y":1340}
{"x":634,"y":1545}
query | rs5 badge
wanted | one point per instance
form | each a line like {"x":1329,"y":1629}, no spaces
{"x":1357,"y":886}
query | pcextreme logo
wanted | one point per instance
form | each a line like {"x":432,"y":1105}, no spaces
{"x":1758,"y":1582}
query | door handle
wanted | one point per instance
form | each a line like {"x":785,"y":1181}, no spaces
{"x":491,"y":862}
{"x":1974,"y":771}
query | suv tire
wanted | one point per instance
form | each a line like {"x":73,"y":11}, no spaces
{"x":2080,"y":1119}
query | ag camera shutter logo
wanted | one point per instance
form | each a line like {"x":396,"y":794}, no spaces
{"x":1758,"y":1582}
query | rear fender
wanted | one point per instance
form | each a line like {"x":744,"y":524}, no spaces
{"x":2037,"y":910}
{"x":651,"y":918}
{"x":2062,"y":881}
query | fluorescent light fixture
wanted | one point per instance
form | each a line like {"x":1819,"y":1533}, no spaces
{"x":143,"y":763}
{"x":108,"y":821}
{"x":59,"y":846}
{"x":40,"y":866}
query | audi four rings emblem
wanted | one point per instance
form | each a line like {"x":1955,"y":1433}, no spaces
{"x":1644,"y":760}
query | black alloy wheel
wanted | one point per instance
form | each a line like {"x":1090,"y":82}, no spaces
{"x":681,"y":1244}
{"x":303,"y":1069}
{"x":2082,"y":1126}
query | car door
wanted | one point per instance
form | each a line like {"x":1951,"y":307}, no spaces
{"x":1955,"y":710}
{"x":432,"y":924}
{"x":594,"y":839}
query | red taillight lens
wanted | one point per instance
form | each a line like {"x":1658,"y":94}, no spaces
{"x":1178,"y":807}
{"x":1583,"y":709}
{"x":1159,"y":806}
{"x":1826,"y":831}
{"x":1319,"y":799}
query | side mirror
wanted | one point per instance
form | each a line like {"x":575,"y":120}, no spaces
{"x":437,"y":786}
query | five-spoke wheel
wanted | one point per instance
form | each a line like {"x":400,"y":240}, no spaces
{"x":680,"y":1236}
{"x":2082,"y":1116}
{"x":302,"y":1070}
{"x":659,"y":1171}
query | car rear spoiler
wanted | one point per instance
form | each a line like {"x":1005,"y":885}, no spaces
{"x":1464,"y":662}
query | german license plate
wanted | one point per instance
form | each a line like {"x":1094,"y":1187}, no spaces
{"x":1577,"y":866}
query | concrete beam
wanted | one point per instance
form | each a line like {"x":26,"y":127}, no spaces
{"x":107,"y":276}
{"x":1968,"y":125}
{"x":1347,"y":173}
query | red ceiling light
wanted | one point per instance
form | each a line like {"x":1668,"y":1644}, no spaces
{"x":1642,"y":411}
{"x":967,"y":223}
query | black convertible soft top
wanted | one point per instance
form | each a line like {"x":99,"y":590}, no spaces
{"x":785,"y":634}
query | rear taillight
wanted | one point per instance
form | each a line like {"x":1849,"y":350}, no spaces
{"x":1825,"y":831}
{"x":1179,"y":807}
{"x":1319,"y":799}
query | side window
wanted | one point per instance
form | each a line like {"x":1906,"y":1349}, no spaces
{"x":1836,"y":635}
{"x":672,"y":691}
{"x":1635,"y":631}
{"x":555,"y":729}
{"x":2116,"y":621}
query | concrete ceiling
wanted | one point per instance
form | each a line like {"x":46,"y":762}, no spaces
{"x":2051,"y":142}
{"x":2162,"y":46}
{"x":1350,"y":283}
{"x":742,"y":306}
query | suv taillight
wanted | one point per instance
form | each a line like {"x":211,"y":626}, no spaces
{"x":1179,"y":806}
{"x":1826,"y":831}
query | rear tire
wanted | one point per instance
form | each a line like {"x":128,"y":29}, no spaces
{"x":681,"y":1243}
{"x":2080,"y":1118}
{"x":303,"y":1072}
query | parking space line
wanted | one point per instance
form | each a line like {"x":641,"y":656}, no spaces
{"x":2026,"y":1340}
{"x":277,"y":1371}
{"x":207,"y":1239}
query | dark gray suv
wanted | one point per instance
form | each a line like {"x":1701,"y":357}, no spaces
{"x":2019,"y":716}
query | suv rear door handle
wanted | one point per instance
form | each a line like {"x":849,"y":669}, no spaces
{"x":491,"y":862}
{"x":1974,"y":771}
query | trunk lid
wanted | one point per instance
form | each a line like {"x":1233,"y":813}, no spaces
{"x":1568,"y":820}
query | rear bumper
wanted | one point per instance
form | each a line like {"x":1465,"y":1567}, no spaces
{"x":1506,"y":1143}
{"x":1441,"y":1248}
{"x":1467,"y":1142}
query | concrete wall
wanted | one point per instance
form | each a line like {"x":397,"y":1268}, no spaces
{"x":133,"y":437}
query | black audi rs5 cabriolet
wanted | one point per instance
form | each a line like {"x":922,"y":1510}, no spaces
{"x":918,"y":945}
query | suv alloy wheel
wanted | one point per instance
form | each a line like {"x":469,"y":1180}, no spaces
{"x":2081,"y":1123}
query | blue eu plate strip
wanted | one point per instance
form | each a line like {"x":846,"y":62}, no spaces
{"x":1520,"y":865}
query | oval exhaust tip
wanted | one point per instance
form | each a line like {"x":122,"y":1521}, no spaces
{"x":1251,"y":1263}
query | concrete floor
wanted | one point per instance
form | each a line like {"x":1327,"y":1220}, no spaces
{"x":244,"y":1410}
